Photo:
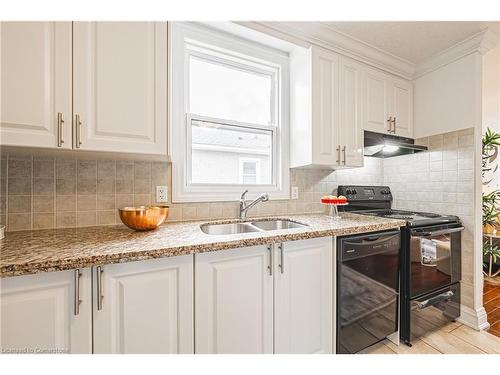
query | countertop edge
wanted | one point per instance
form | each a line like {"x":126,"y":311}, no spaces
{"x":31,"y":268}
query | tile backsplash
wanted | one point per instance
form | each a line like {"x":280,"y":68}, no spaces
{"x":39,"y":192}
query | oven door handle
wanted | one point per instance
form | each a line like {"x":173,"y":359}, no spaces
{"x":438,"y":232}
{"x":432,"y":301}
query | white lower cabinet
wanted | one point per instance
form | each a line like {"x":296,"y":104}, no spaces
{"x":239,"y":293}
{"x":234,"y":301}
{"x":39,"y":313}
{"x":303,"y":297}
{"x":144,"y":307}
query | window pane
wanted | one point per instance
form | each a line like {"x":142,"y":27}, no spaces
{"x":217,"y":150}
{"x":221,"y":91}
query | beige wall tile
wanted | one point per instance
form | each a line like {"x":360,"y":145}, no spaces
{"x":142,"y":170}
{"x":44,"y":168}
{"x":18,"y":222}
{"x":66,"y":169}
{"x":65,"y":203}
{"x":86,"y":186}
{"x":106,"y":202}
{"x":105,"y":186}
{"x":19,"y":186}
{"x":65,"y":186}
{"x":43,"y":186}
{"x":44,"y":220}
{"x":124,"y":170}
{"x":65,"y":219}
{"x":86,"y":169}
{"x":106,"y":217}
{"x":19,"y":203}
{"x":124,"y":200}
{"x":43,"y":203}
{"x":86,"y":202}
{"x":106,"y":169}
{"x":19,"y":168}
{"x":86,"y":218}
{"x":124,"y":186}
{"x":142,"y":199}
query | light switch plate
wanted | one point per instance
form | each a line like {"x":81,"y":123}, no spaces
{"x":162,"y":194}
{"x":295,"y":192}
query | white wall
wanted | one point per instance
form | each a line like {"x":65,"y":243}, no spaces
{"x":448,"y":99}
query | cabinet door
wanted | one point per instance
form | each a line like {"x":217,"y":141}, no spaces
{"x":375,"y":101}
{"x":325,"y":97}
{"x":304,"y":295}
{"x":402,"y":107}
{"x":120,"y":86}
{"x":234,"y":301}
{"x":147,"y":307}
{"x":36,"y":83}
{"x":38,"y":313}
{"x":350,"y":129}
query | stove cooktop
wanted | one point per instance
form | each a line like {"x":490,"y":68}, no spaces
{"x":412,"y":218}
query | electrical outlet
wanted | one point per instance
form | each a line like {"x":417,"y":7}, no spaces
{"x":162,"y":194}
{"x":295,"y":192}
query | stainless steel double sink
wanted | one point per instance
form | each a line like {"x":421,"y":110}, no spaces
{"x":249,"y":227}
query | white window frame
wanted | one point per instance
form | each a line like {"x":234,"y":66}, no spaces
{"x":241,"y":174}
{"x":190,"y":39}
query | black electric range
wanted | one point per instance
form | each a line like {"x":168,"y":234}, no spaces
{"x":430,"y":270}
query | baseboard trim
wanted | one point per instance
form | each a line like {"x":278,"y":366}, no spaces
{"x":476,"y":319}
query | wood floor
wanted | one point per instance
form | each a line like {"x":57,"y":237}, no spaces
{"x":454,"y":338}
{"x":491,"y":303}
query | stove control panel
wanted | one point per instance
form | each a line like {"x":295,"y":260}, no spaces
{"x":365,"y":193}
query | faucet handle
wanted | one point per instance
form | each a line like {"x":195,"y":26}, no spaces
{"x":242,"y":198}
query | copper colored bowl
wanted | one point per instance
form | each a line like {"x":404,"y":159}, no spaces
{"x":143,"y":217}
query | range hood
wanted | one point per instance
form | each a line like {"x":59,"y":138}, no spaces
{"x":386,"y":145}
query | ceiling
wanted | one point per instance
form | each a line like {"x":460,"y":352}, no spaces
{"x":414,"y":41}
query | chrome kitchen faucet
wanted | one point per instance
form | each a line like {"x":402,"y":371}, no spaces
{"x":244,"y":207}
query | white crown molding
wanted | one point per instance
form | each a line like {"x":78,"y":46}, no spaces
{"x":322,"y":35}
{"x":480,"y":42}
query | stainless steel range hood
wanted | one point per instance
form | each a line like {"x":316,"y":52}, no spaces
{"x":386,"y":145}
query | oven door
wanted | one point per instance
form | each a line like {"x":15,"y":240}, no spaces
{"x":431,"y":311}
{"x":435,"y":258}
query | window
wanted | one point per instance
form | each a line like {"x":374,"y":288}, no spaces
{"x":249,"y":171}
{"x":229,"y":116}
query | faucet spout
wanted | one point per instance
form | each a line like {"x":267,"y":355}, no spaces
{"x":244,"y":207}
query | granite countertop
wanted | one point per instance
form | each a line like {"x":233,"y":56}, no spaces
{"x":29,"y":252}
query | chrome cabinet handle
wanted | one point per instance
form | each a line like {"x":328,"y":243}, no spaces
{"x":338,"y":155}
{"x":343,"y":150}
{"x":435,"y":300}
{"x":78,"y":129}
{"x":394,"y":125}
{"x":270,"y":264}
{"x":99,"y":272}
{"x":77,"y":301}
{"x":60,"y":122}
{"x":389,"y":121}
{"x":281,"y":247}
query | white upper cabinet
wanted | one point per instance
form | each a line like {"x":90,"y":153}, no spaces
{"x":49,"y":311}
{"x":325,"y":96}
{"x":234,"y":301}
{"x":350,"y":128}
{"x":120,"y":86}
{"x":401,"y":101}
{"x":144,"y":307}
{"x":99,"y":86}
{"x":304,"y":297}
{"x":325,"y":105}
{"x":35,"y":84}
{"x":387,"y":103}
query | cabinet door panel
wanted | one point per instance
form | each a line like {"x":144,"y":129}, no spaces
{"x":325,"y":107}
{"x":304,"y":295}
{"x":376,"y":102}
{"x":402,"y":104}
{"x":36,"y":83}
{"x":147,"y":307}
{"x":37,"y":313}
{"x":234,"y":302}
{"x":351,"y":132}
{"x":120,"y":79}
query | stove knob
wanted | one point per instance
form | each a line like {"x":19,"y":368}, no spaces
{"x":354,"y":191}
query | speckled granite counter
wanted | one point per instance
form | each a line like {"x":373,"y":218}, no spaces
{"x":29,"y":252}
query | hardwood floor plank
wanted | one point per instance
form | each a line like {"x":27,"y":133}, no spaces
{"x":481,"y":339}
{"x":419,"y":347}
{"x":492,"y":304}
{"x":447,"y":343}
{"x":378,"y":348}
